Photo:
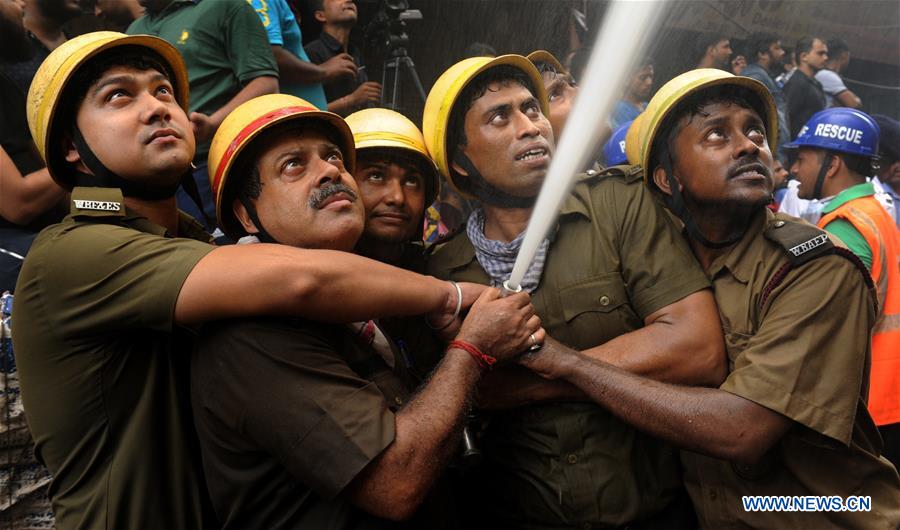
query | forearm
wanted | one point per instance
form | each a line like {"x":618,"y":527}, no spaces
{"x":342,"y":106}
{"x":849,"y":99}
{"x":427,"y":436}
{"x":24,"y":198}
{"x":324,"y":285}
{"x":259,"y":86}
{"x":515,"y":386}
{"x":292,"y":69}
{"x":29,"y":196}
{"x":704,"y":420}
{"x":682,"y":343}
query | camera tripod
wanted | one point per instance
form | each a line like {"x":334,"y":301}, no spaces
{"x":399,"y":62}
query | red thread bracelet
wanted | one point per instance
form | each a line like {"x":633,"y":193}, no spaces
{"x":484,"y":360}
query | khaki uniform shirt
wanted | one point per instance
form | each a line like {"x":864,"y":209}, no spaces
{"x":804,"y":354}
{"x":614,"y":259}
{"x":103,"y":370}
{"x":289,"y":412}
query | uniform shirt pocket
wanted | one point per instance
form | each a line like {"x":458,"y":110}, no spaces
{"x":596,"y":310}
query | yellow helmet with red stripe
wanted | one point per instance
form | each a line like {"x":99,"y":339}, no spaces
{"x":247,"y":122}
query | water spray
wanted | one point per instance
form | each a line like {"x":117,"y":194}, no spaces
{"x":628,"y":27}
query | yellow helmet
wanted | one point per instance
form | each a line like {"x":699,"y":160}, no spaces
{"x":640,"y":138}
{"x":442,"y":98}
{"x":631,"y":141}
{"x":248,"y":121}
{"x":51,"y":79}
{"x":387,"y":129}
{"x":543,"y":56}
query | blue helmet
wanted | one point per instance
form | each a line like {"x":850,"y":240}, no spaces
{"x":840,"y":129}
{"x":614,"y":150}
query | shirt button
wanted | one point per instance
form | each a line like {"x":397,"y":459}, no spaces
{"x":604,"y":300}
{"x":572,"y":458}
{"x":712,"y":495}
{"x":779,"y":224}
{"x":397,"y":400}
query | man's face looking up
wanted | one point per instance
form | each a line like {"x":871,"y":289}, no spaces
{"x":307,"y":197}
{"x":337,"y":12}
{"x":508,"y":139}
{"x":133,"y":124}
{"x":393,"y":191}
{"x":561,"y":91}
{"x":721,"y":157}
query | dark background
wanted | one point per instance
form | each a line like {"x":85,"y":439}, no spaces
{"x":871,"y":28}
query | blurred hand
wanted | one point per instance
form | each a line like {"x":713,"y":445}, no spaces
{"x":502,"y":327}
{"x":368,"y":92}
{"x":738,"y":64}
{"x":204,"y":128}
{"x":339,"y":66}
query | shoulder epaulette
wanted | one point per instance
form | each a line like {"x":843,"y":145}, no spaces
{"x":628,"y":173}
{"x":801,"y":241}
{"x":100,"y":204}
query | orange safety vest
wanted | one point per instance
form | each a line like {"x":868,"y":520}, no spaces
{"x":875,"y":224}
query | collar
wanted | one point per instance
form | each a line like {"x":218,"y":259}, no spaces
{"x":579,"y":200}
{"x":853,"y":192}
{"x":174,"y":6}
{"x":462,"y":252}
{"x":330,"y":42}
{"x":459,"y":250}
{"x":811,"y":80}
{"x":740,"y":260}
{"x":757,"y":68}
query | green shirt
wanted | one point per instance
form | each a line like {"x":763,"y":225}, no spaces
{"x":804,"y":354}
{"x":843,"y":229}
{"x":614,"y":259}
{"x":104,"y":370}
{"x":223,"y":44}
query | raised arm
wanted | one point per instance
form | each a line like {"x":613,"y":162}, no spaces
{"x":24,"y":197}
{"x":323,"y":285}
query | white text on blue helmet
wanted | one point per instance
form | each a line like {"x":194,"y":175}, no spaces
{"x":839,"y":132}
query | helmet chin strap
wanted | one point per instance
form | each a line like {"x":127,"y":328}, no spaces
{"x":103,"y":177}
{"x":488,"y":193}
{"x":820,"y":178}
{"x":261,"y":233}
{"x":676,"y":202}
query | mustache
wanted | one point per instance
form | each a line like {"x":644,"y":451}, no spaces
{"x":329,"y":189}
{"x":749,"y":163}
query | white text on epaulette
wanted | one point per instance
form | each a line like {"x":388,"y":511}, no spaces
{"x":105,"y":206}
{"x":806,"y":246}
